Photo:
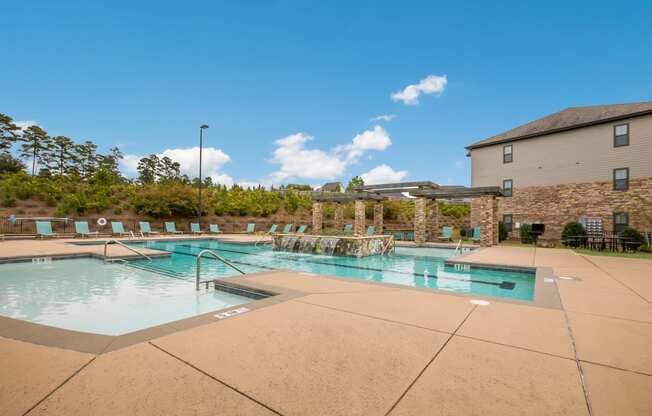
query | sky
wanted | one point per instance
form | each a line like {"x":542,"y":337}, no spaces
{"x":314,"y":91}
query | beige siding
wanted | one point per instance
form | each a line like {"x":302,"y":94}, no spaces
{"x":575,"y":156}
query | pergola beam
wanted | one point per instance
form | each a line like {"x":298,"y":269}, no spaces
{"x":345,"y":196}
{"x":458,"y":192}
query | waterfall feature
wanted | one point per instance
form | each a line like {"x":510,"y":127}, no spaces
{"x":357,"y":246}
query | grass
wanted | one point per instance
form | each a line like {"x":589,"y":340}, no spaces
{"x":637,"y":255}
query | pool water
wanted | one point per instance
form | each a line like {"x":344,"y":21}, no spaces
{"x":112,"y":299}
{"x":415,"y":267}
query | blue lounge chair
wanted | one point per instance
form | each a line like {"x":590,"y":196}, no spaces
{"x":81,"y":228}
{"x":44,"y":229}
{"x":146,"y":229}
{"x":287,"y":228}
{"x":118,"y":228}
{"x":214,"y":229}
{"x":301,"y":229}
{"x":195,"y":228}
{"x":251,"y":228}
{"x":348,"y":229}
{"x":409,"y":236}
{"x":272,"y":229}
{"x":446,"y":233}
{"x":171,"y":228}
{"x":371,"y":230}
{"x":476,"y":234}
{"x":398,"y":235}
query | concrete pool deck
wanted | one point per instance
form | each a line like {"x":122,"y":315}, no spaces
{"x":354,"y":348}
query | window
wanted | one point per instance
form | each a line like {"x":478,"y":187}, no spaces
{"x":621,"y":179}
{"x":507,"y":187}
{"x":507,"y":221}
{"x":621,"y":221}
{"x":508,"y":156}
{"x":621,"y":135}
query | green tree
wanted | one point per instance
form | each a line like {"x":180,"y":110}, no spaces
{"x":111,"y":161}
{"x":168,"y":170}
{"x":62,"y":155}
{"x":148,"y":169}
{"x":9,"y":164}
{"x":36,"y":145}
{"x":87,"y":158}
{"x":354,"y":182}
{"x":8,"y":133}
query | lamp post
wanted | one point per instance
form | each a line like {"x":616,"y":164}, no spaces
{"x":201,"y":145}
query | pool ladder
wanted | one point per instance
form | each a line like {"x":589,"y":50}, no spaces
{"x":458,"y":247}
{"x":215,"y":256}
{"x":120,"y":243}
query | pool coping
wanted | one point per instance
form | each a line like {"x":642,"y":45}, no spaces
{"x":98,"y":344}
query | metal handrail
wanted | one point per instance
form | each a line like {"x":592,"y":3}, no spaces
{"x":386,"y":247}
{"x":459,"y":243}
{"x":215,"y":256}
{"x":106,"y":245}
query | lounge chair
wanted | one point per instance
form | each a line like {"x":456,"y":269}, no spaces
{"x":348,"y":229}
{"x":287,"y":228}
{"x":371,"y":230}
{"x":118,"y":228}
{"x":409,"y":236}
{"x":146,"y":229}
{"x":251,"y":228}
{"x":272,"y":229}
{"x":196,"y":229}
{"x":446,"y":233}
{"x":476,"y":234}
{"x":214,"y":229}
{"x":44,"y":229}
{"x":398,"y":235}
{"x":171,"y":228}
{"x":81,"y":228}
{"x":302,"y":229}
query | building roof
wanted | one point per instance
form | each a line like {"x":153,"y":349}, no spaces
{"x":568,"y":119}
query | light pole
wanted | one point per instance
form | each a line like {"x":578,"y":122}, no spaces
{"x":201,"y":145}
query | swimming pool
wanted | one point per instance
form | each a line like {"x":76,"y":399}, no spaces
{"x":111,"y":299}
{"x":415,"y":267}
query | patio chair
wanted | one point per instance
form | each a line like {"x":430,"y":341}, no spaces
{"x":171,"y":228}
{"x":287,"y":228}
{"x":446,"y":233}
{"x":146,"y":229}
{"x":409,"y":236}
{"x":371,"y":230}
{"x":251,"y":228}
{"x":348,"y":229}
{"x":195,"y":228}
{"x":476,"y":234}
{"x":44,"y":229}
{"x":214,"y":229}
{"x":81,"y":228}
{"x":302,"y":229}
{"x":118,"y":228}
{"x":398,"y":235}
{"x":272,"y":229}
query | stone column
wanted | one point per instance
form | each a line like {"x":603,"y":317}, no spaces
{"x":359,"y":227}
{"x":338,"y":217}
{"x":420,"y":205}
{"x":378,"y":218}
{"x":433,"y":218}
{"x":487,"y":216}
{"x":317,"y":217}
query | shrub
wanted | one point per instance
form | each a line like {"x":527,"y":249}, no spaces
{"x":572,"y":229}
{"x":502,"y":231}
{"x":632,"y":234}
{"x":645,"y":248}
{"x":526,"y":237}
{"x":454,"y":210}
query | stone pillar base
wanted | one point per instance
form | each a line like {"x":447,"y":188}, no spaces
{"x":378,"y":218}
{"x":359,"y":227}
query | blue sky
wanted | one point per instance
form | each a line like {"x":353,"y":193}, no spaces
{"x":287,"y":86}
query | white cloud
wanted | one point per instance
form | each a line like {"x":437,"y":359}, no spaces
{"x":383,"y":117}
{"x":299,"y":162}
{"x":212,"y":160}
{"x":383,"y":174}
{"x":25,"y":124}
{"x":429,"y":85}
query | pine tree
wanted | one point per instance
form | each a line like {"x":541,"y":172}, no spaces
{"x":8,"y":133}
{"x":36,"y":145}
{"x":62,"y":157}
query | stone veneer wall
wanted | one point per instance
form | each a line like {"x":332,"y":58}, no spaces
{"x":557,"y":205}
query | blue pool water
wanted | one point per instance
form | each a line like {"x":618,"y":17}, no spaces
{"x":112,"y":299}
{"x":416,"y":267}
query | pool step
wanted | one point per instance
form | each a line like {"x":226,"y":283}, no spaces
{"x":158,"y":270}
